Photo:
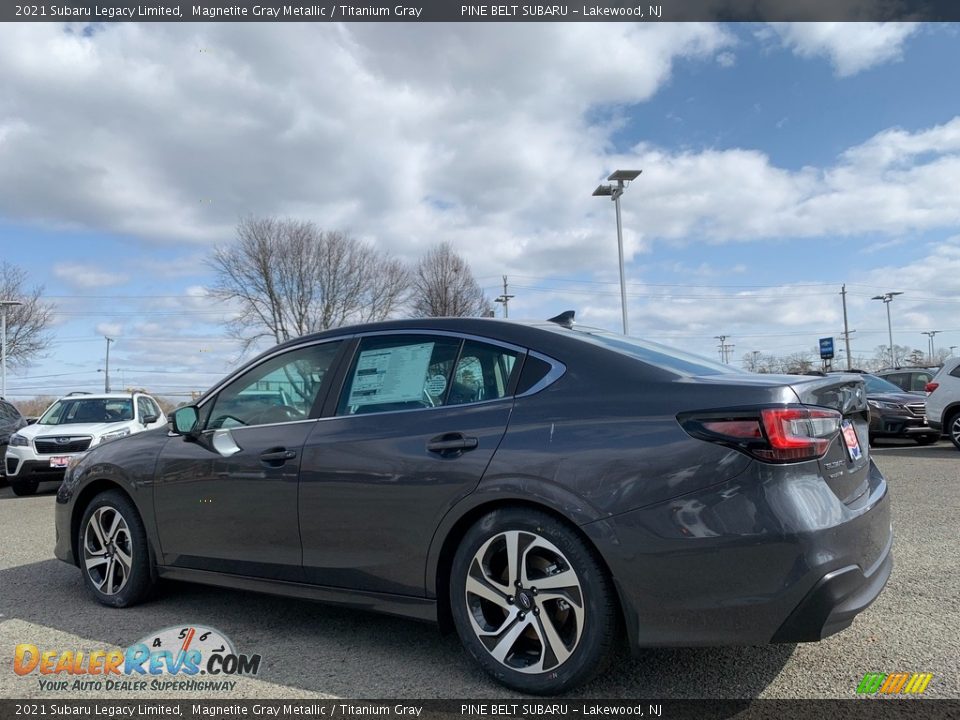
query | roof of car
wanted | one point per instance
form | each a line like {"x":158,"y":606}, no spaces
{"x":101,"y":396}
{"x":468,"y":325}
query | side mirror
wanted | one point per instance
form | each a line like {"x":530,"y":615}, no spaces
{"x":149,"y":419}
{"x":185,"y":420}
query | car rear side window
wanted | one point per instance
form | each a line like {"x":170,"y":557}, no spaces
{"x":483,"y":373}
{"x":955,"y":372}
{"x":399,"y":372}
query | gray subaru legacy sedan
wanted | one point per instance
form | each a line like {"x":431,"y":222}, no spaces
{"x":545,"y":490}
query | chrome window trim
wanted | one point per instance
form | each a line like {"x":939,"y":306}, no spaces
{"x":557,"y":369}
{"x":210,"y":431}
{"x":240,"y":371}
{"x":445,"y":333}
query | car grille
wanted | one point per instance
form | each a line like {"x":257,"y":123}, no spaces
{"x":917,"y":409}
{"x":50,"y":446}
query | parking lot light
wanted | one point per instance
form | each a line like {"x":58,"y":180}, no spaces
{"x":621,"y":177}
{"x":887,"y":298}
{"x":4,"y":304}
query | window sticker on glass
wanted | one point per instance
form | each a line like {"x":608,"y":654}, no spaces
{"x":435,"y":386}
{"x":391,"y":375}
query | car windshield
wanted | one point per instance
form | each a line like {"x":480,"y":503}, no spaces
{"x":661,"y":356}
{"x":87,"y":410}
{"x":879,"y":385}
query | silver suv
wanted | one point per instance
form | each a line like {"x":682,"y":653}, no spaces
{"x":943,"y":402}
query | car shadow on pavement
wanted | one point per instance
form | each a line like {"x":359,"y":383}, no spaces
{"x":309,"y":647}
{"x":943,"y":449}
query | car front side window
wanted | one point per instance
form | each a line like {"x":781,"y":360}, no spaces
{"x":281,"y":389}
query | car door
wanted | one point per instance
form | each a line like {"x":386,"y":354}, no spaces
{"x":226,"y":498}
{"x":417,"y":421}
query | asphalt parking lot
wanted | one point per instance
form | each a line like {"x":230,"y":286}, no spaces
{"x":309,"y":650}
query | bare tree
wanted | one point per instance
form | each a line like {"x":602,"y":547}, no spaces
{"x":27,"y":323}
{"x":290,"y":278}
{"x":444,"y":286}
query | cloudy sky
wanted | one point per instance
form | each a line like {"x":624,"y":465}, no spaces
{"x":779,"y":162}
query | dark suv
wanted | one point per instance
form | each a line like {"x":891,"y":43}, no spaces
{"x":897,"y":414}
{"x":10,"y":421}
{"x":909,"y":380}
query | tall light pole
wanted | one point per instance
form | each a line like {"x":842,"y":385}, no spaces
{"x":4,"y":304}
{"x":930,"y":344}
{"x":887,"y":298}
{"x":106,"y":372}
{"x":621,"y":177}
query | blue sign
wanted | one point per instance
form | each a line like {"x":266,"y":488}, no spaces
{"x":826,"y":348}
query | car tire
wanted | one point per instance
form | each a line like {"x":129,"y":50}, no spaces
{"x":926,"y":439}
{"x":953,"y":429}
{"x":538,"y":640}
{"x":112,"y":551}
{"x":23,"y":488}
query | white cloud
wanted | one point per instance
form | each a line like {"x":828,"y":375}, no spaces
{"x":896,"y":181}
{"x":851,"y":47}
{"x":110,"y":329}
{"x":483,"y":134}
{"x":87,"y":276}
{"x":726,"y":59}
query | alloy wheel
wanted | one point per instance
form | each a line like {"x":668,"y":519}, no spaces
{"x":107,"y":550}
{"x":955,"y":430}
{"x":525,"y":602}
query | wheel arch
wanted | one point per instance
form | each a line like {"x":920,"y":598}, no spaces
{"x":949,"y":411}
{"x":90,"y":491}
{"x":443,"y":561}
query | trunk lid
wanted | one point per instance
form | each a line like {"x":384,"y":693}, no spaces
{"x":846,"y":466}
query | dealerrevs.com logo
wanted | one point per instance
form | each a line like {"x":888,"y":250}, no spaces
{"x":894,"y":683}
{"x":185,"y":658}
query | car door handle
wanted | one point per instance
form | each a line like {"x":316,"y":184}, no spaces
{"x":451,"y":443}
{"x":276,"y":458}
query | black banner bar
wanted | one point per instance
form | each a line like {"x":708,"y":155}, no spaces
{"x":479,"y":11}
{"x":873,"y":708}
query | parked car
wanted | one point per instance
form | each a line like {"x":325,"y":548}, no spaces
{"x":543,"y":489}
{"x":943,"y":401}
{"x":897,"y":414}
{"x":909,"y":379}
{"x":70,"y":426}
{"x":10,"y":421}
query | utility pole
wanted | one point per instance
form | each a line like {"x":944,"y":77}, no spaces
{"x":755,"y":354}
{"x":724,"y":349}
{"x":106,"y":372}
{"x":505,"y":298}
{"x":846,"y":329}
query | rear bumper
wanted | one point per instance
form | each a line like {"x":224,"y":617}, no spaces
{"x":773,"y":556}
{"x":835,"y":601}
{"x":900,"y":426}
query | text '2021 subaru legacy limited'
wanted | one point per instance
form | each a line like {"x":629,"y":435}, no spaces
{"x":539,"y":488}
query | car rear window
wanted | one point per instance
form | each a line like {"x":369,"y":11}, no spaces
{"x":655,"y":354}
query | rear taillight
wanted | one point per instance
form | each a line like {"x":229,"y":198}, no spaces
{"x":930,"y":387}
{"x":778,"y":435}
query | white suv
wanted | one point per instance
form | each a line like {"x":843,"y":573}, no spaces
{"x":943,"y":402}
{"x":68,"y":428}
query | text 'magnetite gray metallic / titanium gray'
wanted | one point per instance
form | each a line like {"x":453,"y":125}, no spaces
{"x":543,"y":489}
